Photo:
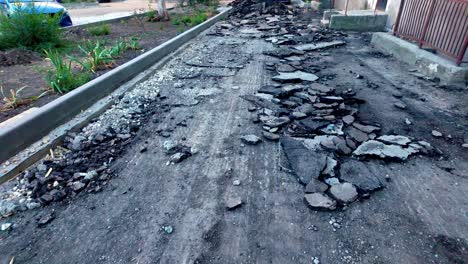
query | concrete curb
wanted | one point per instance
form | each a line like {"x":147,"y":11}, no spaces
{"x":428,"y":63}
{"x":35,"y":126}
{"x":112,"y":20}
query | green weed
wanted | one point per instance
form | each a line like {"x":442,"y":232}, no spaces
{"x":100,"y":30}
{"x":62,"y":79}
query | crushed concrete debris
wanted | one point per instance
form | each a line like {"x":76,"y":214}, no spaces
{"x":233,"y":203}
{"x":319,"y":201}
{"x":436,"y":133}
{"x":251,"y":139}
{"x":45,"y":219}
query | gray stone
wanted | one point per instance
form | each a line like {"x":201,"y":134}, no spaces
{"x":277,"y":121}
{"x":236,"y":182}
{"x":366,"y":128}
{"x":270,"y":136}
{"x":233,"y":203}
{"x":168,"y":229}
{"x":436,"y":133}
{"x":344,"y":192}
{"x":91,"y":175}
{"x":349,"y":119}
{"x":179,"y":156}
{"x":285,"y":68}
{"x":6,"y":226}
{"x":319,"y":201}
{"x":316,"y":186}
{"x":357,"y":134}
{"x":395,"y":139}
{"x":298,"y":115}
{"x":78,"y":186}
{"x":305,"y":163}
{"x":397,"y":94}
{"x":45,"y":219}
{"x":357,"y":173}
{"x":332,"y":181}
{"x":379,"y":149}
{"x":330,"y":167}
{"x":251,"y":139}
{"x":8,"y":208}
{"x":77,"y":143}
{"x":312,"y":125}
{"x":400,"y":105}
{"x":296,"y":76}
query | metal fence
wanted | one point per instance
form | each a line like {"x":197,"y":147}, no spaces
{"x":438,"y":24}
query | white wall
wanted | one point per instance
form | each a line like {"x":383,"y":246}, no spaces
{"x":392,"y":10}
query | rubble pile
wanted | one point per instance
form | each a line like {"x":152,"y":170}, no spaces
{"x":250,"y":8}
{"x":82,"y":162}
{"x":318,"y":126}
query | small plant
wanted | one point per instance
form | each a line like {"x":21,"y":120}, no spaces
{"x":118,"y":49}
{"x":14,"y":101}
{"x":62,"y":79}
{"x":134,"y":44}
{"x":100,"y":30}
{"x":97,"y":55}
{"x":151,"y":15}
{"x":26,"y":28}
{"x":176,"y":22}
{"x":198,"y":18}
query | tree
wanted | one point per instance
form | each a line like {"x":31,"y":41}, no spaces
{"x":162,"y":10}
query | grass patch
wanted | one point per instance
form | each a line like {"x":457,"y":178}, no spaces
{"x":32,"y":31}
{"x":191,"y":20}
{"x":100,"y":30}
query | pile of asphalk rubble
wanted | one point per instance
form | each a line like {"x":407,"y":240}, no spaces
{"x":326,"y":145}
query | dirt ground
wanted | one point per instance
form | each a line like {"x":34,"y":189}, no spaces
{"x":419,"y":217}
{"x":32,"y":75}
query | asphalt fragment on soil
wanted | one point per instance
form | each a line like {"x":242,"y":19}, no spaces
{"x":322,"y":137}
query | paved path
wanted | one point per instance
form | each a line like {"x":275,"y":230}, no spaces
{"x":98,"y":12}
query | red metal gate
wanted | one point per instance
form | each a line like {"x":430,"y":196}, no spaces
{"x":438,"y":24}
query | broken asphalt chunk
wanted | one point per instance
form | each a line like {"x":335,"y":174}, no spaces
{"x":357,"y":173}
{"x":297,"y":76}
{"x":306,"y":164}
{"x":45,"y":219}
{"x":381,"y":150}
{"x":233,"y":203}
{"x":344,"y":192}
{"x":395,"y":139}
{"x":251,"y":139}
{"x":319,"y":45}
{"x":319,"y":201}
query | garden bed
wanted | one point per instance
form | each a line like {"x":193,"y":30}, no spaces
{"x":30,"y":70}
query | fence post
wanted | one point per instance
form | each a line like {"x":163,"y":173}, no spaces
{"x":397,"y":22}
{"x":426,"y":23}
{"x":462,"y":51}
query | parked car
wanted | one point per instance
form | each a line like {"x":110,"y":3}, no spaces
{"x":10,"y":7}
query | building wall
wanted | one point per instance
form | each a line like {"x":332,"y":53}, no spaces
{"x":392,"y":11}
{"x":352,"y":5}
